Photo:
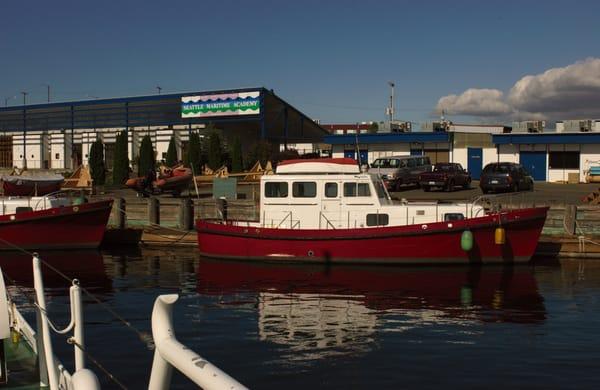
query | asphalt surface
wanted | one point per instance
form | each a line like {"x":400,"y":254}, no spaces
{"x":543,"y":193}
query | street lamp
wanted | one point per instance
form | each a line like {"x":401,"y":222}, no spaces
{"x":391,"y":109}
{"x":48,"y":88}
{"x":7,"y":99}
{"x":159,"y":89}
{"x":24,"y":129}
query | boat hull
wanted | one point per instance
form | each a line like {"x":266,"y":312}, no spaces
{"x":30,"y":188}
{"x":434,"y":243}
{"x":68,"y":227}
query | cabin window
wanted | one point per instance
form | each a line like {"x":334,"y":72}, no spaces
{"x":304,"y":189}
{"x":356,"y":189}
{"x":276,"y":190}
{"x":331,"y":190}
{"x":378,"y":219}
{"x":453,"y":217}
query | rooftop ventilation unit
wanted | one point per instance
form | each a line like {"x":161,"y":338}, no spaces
{"x":585,"y":125}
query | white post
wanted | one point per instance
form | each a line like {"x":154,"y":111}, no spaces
{"x":171,"y":353}
{"x":78,"y":330}
{"x":38,"y":284}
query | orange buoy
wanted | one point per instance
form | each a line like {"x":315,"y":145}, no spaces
{"x":500,"y":236}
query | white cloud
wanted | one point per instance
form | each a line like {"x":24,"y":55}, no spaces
{"x":574,"y":88}
{"x":569,"y":92}
{"x":475,"y":102}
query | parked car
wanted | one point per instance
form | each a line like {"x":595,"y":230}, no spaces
{"x":400,"y":170}
{"x":505,"y":176}
{"x":446,"y":176}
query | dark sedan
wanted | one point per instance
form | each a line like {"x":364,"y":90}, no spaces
{"x":505,"y":177}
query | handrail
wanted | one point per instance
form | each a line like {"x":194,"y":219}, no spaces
{"x":321,"y":215}
{"x":171,"y":353}
{"x":49,"y":365}
{"x":284,"y":218}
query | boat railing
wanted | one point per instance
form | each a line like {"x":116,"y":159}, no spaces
{"x":170,"y":353}
{"x":328,"y":222}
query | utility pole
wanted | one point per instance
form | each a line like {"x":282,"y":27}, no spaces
{"x":391,"y":109}
{"x":48,"y":90}
{"x":24,"y":129}
{"x":159,"y":89}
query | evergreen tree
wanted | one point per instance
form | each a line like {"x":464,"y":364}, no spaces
{"x":193,"y":158}
{"x":172,"y":153}
{"x":121,"y":160}
{"x":262,"y":151}
{"x":237,"y":162}
{"x":215,"y":152}
{"x":373,"y":128}
{"x":147,"y":158}
{"x":96,"y":162}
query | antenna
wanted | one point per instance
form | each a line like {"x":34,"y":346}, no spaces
{"x":391,"y":109}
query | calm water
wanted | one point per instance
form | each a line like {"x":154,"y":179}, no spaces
{"x":299,"y":327}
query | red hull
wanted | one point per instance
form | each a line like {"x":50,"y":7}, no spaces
{"x":423,"y":243}
{"x":30,"y":188}
{"x":69,"y":227}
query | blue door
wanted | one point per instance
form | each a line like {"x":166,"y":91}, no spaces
{"x":535,"y":164}
{"x":474,"y":162}
{"x":350,"y":154}
{"x":364,"y":156}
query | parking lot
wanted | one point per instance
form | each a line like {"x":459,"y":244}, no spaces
{"x":544,"y":193}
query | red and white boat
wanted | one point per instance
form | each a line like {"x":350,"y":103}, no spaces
{"x":22,"y":185}
{"x":52,"y":222}
{"x":326,"y":210}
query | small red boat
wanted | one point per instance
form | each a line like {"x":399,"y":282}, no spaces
{"x":173,"y":180}
{"x":334,"y":213}
{"x":52,"y":223}
{"x":31,"y":185}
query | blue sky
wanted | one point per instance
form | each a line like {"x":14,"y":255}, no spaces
{"x":330,"y":59}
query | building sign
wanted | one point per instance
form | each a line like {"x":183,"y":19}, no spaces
{"x":223,"y":104}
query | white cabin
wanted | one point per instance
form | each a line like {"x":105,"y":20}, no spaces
{"x":335,"y":194}
{"x":15,"y":204}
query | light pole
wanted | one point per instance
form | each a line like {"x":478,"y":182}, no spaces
{"x":391,"y":109}
{"x":24,"y":129}
{"x":7,"y":99}
{"x":159,"y":89}
{"x":48,"y":89}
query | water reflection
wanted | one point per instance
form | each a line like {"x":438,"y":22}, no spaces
{"x":58,"y":269}
{"x":317,"y":312}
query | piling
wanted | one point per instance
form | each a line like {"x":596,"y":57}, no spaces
{"x":153,"y":211}
{"x":186,"y":214}
{"x":121,"y":215}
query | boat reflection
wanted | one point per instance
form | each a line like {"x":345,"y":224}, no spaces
{"x":85,"y":265}
{"x":317,"y":311}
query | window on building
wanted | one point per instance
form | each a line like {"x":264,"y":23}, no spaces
{"x":276,"y":190}
{"x":304,"y":189}
{"x":331,"y":190}
{"x":563,"y":160}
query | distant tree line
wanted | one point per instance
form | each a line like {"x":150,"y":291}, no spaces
{"x":211,"y":151}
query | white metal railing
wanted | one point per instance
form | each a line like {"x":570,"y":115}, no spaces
{"x":52,"y":372}
{"x":171,"y":353}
